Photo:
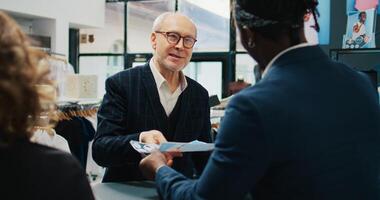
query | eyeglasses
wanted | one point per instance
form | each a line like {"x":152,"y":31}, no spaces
{"x":173,"y":38}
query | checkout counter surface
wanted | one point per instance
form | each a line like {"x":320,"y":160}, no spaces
{"x":129,"y":190}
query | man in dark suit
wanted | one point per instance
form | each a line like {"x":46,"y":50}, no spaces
{"x":154,"y":103}
{"x":310,"y":129}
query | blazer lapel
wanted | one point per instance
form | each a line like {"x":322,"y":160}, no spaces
{"x":184,"y":116}
{"x":153,"y":97}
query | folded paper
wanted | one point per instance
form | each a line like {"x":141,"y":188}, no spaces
{"x":194,"y":146}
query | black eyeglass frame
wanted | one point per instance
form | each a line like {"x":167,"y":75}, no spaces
{"x":166,"y":35}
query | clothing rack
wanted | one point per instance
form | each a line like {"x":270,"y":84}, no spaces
{"x":55,"y":57}
{"x":49,"y":51}
{"x":68,"y":110}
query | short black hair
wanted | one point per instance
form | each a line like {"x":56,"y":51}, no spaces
{"x":361,"y":13}
{"x":289,"y":14}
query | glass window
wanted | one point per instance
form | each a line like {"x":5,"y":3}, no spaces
{"x":212,"y":18}
{"x":102,"y":66}
{"x":208,"y":74}
{"x":135,"y":64}
{"x":140,"y":17}
{"x":239,"y":46}
{"x":110,"y":38}
{"x":245,"y":68}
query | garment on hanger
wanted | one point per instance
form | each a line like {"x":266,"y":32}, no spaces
{"x":59,"y":69}
{"x":78,"y":132}
{"x":75,"y":128}
{"x":69,"y":110}
{"x":72,"y":124}
{"x":50,"y":138}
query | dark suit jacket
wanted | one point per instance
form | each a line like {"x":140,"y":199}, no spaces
{"x":35,"y":172}
{"x":132,"y":105}
{"x":310,"y":129}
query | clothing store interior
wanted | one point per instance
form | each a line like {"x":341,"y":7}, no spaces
{"x":189,"y":99}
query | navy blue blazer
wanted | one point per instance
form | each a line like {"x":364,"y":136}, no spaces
{"x":310,"y":129}
{"x":132,"y":105}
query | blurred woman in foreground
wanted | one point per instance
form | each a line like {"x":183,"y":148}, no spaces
{"x":29,"y":170}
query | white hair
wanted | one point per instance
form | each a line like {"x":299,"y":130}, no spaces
{"x":158,"y":21}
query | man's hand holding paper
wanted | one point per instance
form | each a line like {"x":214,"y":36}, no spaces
{"x":194,"y":146}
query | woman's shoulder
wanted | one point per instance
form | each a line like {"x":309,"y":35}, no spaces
{"x":53,"y":155}
{"x":43,"y":172}
{"x":37,"y":155}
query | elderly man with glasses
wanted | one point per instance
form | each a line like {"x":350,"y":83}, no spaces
{"x":154,"y":103}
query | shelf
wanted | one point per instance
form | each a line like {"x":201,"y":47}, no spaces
{"x":334,"y":53}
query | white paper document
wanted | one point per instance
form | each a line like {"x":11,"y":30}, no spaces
{"x":194,"y":146}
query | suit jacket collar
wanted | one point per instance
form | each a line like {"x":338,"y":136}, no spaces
{"x":184,"y":115}
{"x":153,"y":96}
{"x":282,"y":53}
{"x":298,"y":55}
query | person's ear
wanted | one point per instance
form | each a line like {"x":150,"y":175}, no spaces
{"x":247,"y":37}
{"x":153,"y":40}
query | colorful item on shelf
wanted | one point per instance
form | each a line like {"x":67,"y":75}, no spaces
{"x":366,"y":4}
{"x":360,"y":31}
